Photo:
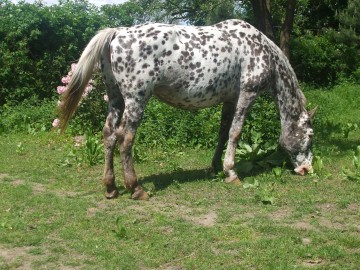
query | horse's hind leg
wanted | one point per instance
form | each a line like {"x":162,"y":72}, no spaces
{"x":116,"y":109}
{"x":227,"y":115}
{"x":126,"y":136}
{"x":111,"y":124}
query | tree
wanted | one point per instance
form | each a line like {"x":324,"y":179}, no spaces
{"x":349,"y":35}
{"x":287,"y":27}
{"x":263,"y":19}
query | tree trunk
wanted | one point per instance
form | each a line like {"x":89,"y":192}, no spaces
{"x":263,"y":18}
{"x":287,"y":27}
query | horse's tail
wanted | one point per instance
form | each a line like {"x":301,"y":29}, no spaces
{"x":82,"y":74}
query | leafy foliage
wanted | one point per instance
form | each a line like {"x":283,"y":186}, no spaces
{"x":354,"y":173}
{"x":317,"y":60}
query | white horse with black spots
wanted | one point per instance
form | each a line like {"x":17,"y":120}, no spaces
{"x":190,"y":68}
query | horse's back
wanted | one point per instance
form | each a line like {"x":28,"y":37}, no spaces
{"x":186,"y":66}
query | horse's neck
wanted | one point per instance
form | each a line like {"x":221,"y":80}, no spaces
{"x":290,"y":101}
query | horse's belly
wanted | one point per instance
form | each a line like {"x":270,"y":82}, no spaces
{"x":189,"y":99}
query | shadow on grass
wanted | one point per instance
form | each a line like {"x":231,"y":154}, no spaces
{"x":342,"y":145}
{"x":163,"y":180}
{"x":329,"y":134}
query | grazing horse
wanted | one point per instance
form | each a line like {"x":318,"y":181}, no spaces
{"x":190,"y":68}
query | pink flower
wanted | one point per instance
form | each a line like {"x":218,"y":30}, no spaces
{"x":88,"y":89}
{"x":56,"y":123}
{"x":61,"y":89}
{"x":66,"y":79}
{"x":73,"y":67}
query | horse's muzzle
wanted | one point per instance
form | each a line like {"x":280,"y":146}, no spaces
{"x":303,"y":169}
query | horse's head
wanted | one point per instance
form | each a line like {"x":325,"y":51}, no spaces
{"x":297,"y":140}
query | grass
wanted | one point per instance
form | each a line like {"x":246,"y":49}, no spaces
{"x":55,"y":216}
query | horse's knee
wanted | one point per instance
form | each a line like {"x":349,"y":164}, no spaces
{"x":228,"y":165}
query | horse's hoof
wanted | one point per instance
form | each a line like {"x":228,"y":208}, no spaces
{"x":111,"y":195}
{"x":140,"y":194}
{"x":233,"y":179}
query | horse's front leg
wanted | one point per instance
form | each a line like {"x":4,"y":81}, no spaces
{"x":126,"y":136}
{"x":245,"y":101}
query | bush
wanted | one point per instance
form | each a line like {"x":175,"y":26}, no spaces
{"x":316,"y":60}
{"x":92,"y":111}
{"x":30,"y":116}
{"x":166,"y":126}
{"x":263,"y":123}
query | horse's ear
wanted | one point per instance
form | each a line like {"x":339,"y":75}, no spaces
{"x":312,"y":112}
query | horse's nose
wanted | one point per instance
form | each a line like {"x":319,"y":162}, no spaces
{"x":303,"y":169}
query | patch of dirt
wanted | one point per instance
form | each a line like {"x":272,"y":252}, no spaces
{"x":18,"y":182}
{"x":21,"y":258}
{"x":303,"y":225}
{"x":353,"y":208}
{"x":167,"y":230}
{"x":325,"y":222}
{"x":16,"y":255}
{"x":64,"y":193}
{"x":100,"y":206}
{"x":171,"y":267}
{"x":38,"y":188}
{"x":3,"y":176}
{"x":326,"y":207}
{"x":198,"y":216}
{"x":207,"y":220}
{"x":313,"y":262}
{"x":306,"y":241}
{"x":280,"y":214}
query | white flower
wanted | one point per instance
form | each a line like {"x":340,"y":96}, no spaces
{"x":56,"y":123}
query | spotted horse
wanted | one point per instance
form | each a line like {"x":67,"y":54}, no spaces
{"x":191,"y":68}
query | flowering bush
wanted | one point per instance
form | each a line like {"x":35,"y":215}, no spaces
{"x":91,"y":109}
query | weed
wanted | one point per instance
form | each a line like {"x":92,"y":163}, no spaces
{"x":349,"y":127}
{"x":251,"y":183}
{"x":20,"y":148}
{"x":120,"y":230}
{"x":71,"y":159}
{"x":219,"y":177}
{"x":278,"y":171}
{"x":354,"y":173}
{"x":259,"y":155}
{"x":356,"y":158}
{"x":89,"y":153}
{"x":266,"y":194}
{"x":92,"y":150}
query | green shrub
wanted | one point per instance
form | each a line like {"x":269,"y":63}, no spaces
{"x":91,"y":114}
{"x":166,"y":126}
{"x":30,"y":116}
{"x":316,"y":60}
{"x":163,"y":125}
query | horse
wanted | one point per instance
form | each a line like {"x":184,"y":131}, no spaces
{"x":190,"y":67}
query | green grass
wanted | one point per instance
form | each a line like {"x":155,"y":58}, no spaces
{"x":56,"y":217}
